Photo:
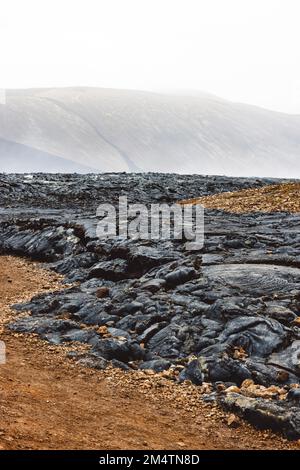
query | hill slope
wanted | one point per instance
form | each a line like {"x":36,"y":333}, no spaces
{"x":272,"y":198}
{"x":119,"y":130}
{"x":24,"y":159}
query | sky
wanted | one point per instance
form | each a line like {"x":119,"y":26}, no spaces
{"x":241,"y":50}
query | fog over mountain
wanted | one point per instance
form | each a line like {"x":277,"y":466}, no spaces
{"x":96,"y":130}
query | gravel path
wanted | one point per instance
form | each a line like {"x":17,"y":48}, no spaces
{"x":273,"y":198}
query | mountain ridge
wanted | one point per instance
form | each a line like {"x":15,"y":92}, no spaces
{"x":105,"y":130}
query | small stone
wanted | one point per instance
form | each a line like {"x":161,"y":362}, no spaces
{"x":220,"y":388}
{"x":180,"y":444}
{"x":282,"y":376}
{"x":188,"y":382}
{"x":149,"y":372}
{"x":154,"y":285}
{"x":294,"y":394}
{"x":247,"y":383}
{"x":102,"y":330}
{"x":233,"y":389}
{"x":168,"y":374}
{"x":102,"y":292}
{"x":239,"y":353}
{"x":233,"y":421}
{"x":206,"y":387}
{"x":259,"y":391}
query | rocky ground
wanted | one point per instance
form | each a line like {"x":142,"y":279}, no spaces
{"x":47,"y":401}
{"x":271,"y":198}
{"x":226,"y":315}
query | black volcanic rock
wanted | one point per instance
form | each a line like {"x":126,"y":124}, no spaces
{"x":227,"y":312}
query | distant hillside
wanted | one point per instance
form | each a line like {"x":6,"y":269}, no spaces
{"x":94,"y":129}
{"x":17,"y":157}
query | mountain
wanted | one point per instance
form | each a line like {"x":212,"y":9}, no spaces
{"x":22,"y":159}
{"x":98,"y":130}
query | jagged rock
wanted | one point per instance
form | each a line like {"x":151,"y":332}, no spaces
{"x":192,"y":372}
{"x":153,"y":285}
{"x":294,"y":394}
{"x":223,"y":368}
{"x":158,"y":365}
{"x":280,"y":313}
{"x":279,"y":416}
{"x":121,"y":349}
{"x":43,"y":325}
{"x":165,"y":343}
{"x":256,"y":335}
{"x":180,"y":276}
{"x":95,"y":362}
{"x":142,"y":258}
{"x":288,"y":359}
{"x":114,"y":270}
{"x":267,"y":374}
{"x":151,"y":331}
{"x":117,"y":333}
{"x":83,"y":336}
{"x":130,"y":308}
{"x":69,"y":264}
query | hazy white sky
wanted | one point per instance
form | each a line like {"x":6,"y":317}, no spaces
{"x":243,"y":50}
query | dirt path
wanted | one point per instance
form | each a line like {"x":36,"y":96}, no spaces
{"x":48,"y":402}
